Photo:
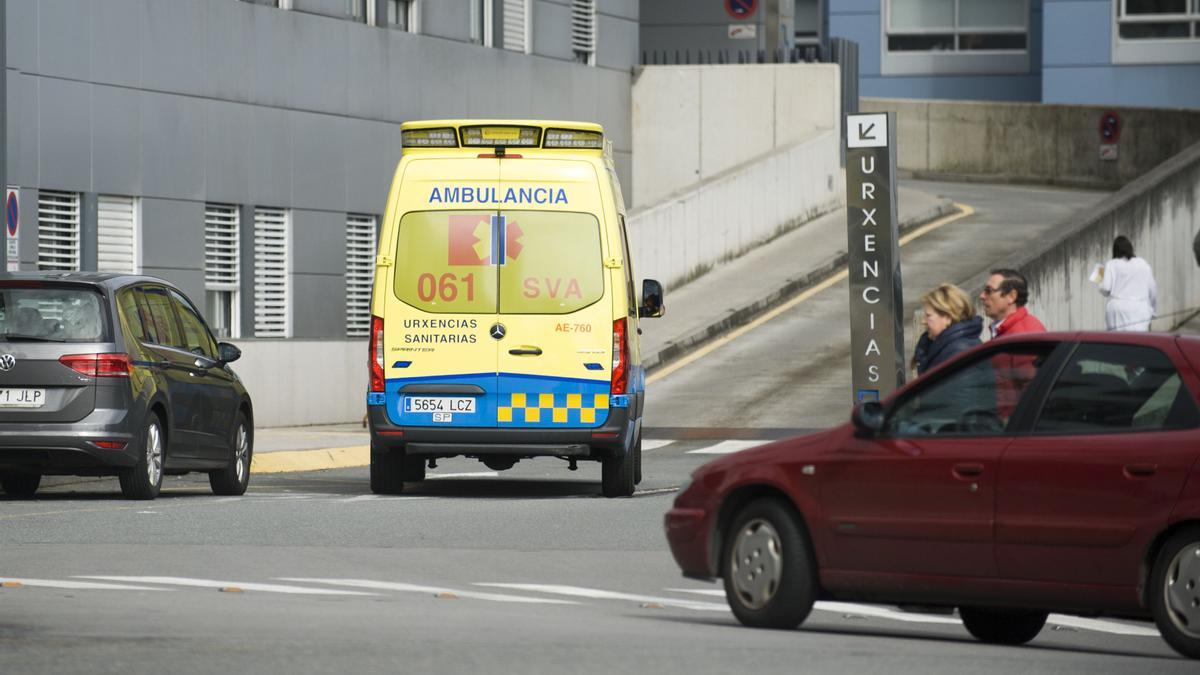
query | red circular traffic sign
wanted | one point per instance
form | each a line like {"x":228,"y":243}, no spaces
{"x":741,"y":9}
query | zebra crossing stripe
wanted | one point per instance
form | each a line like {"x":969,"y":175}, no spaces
{"x":209,"y":583}
{"x":595,"y":593}
{"x":725,"y":447}
{"x":431,"y":590}
{"x":654,"y":444}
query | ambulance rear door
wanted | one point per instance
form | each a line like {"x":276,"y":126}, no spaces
{"x":440,"y":359}
{"x":555,"y":359}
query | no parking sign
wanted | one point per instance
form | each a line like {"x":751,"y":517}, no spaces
{"x":12,"y":213}
{"x":741,"y":9}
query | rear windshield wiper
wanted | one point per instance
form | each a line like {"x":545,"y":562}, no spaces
{"x":32,"y":338}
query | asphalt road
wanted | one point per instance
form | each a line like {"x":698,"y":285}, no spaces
{"x":528,"y":571}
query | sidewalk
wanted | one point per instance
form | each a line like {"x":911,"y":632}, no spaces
{"x":730,"y":295}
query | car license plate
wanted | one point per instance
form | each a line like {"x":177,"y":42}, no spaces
{"x":22,"y":398}
{"x":439,"y":404}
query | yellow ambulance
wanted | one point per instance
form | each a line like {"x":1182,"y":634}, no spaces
{"x":505,"y":313}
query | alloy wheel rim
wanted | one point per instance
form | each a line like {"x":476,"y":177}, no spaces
{"x":1182,"y":590}
{"x":757,"y":563}
{"x":241,"y":452}
{"x":153,"y":454}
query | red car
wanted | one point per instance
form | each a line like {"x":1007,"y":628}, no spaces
{"x":1032,"y":474}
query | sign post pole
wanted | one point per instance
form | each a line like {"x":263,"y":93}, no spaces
{"x":876,"y":296}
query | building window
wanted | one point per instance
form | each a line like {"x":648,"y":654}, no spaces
{"x":356,"y":10}
{"x":272,"y":315}
{"x":1158,"y":19}
{"x":360,"y":273}
{"x":58,"y":231}
{"x":222,"y":268}
{"x":516,"y":26}
{"x":116,"y":234}
{"x":955,"y":37}
{"x":1156,"y":31}
{"x":583,"y":31}
{"x":402,"y":15}
{"x":957,"y":25}
{"x":481,"y":22}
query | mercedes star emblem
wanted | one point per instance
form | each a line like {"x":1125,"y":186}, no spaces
{"x":7,"y":361}
{"x":497,"y":332}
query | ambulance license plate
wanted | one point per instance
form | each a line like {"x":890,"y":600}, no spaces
{"x":22,"y":398}
{"x":439,"y":404}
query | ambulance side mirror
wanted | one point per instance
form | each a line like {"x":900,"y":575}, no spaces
{"x":652,"y":299}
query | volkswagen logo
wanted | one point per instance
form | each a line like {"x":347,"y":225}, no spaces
{"x":7,"y":361}
{"x":497,"y":332}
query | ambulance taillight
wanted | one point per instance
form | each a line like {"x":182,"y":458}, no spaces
{"x":376,"y":351}
{"x":620,"y":364}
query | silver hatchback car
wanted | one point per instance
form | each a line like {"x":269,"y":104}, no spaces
{"x":104,"y":374}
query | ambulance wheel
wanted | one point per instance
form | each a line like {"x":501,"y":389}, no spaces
{"x":637,"y":462}
{"x":616,"y":475}
{"x":387,"y":471}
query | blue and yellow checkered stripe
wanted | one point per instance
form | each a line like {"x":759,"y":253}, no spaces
{"x":550,"y":409}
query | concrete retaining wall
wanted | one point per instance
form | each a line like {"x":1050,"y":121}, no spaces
{"x":730,"y":213}
{"x":300,"y":382}
{"x":691,"y":123}
{"x":1032,"y":142}
{"x":1160,"y":213}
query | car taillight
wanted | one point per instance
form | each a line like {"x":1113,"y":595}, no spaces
{"x":376,"y":350}
{"x":98,"y":365}
{"x":620,"y":364}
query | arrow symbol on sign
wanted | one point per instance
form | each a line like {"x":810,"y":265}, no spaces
{"x":863,"y":131}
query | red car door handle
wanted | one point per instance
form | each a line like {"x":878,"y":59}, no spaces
{"x":967,"y":470}
{"x":1140,"y":470}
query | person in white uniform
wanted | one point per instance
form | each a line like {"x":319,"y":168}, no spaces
{"x":1128,"y":283}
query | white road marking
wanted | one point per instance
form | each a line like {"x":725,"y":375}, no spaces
{"x":657,"y":491}
{"x":1097,"y":625}
{"x":209,"y":583}
{"x":80,"y":585}
{"x":1102,"y":626}
{"x":726,"y":447}
{"x":473,"y":474}
{"x":595,"y":593}
{"x":654,"y":445}
{"x":432,"y":590}
{"x":372,"y":498}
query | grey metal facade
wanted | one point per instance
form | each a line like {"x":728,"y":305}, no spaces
{"x":183,"y":102}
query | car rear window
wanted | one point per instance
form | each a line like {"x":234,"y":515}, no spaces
{"x":444,"y":261}
{"x":52,"y":315}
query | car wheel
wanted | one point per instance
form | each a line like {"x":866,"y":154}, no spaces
{"x":616,"y":474}
{"x":144,"y":479}
{"x":19,"y":483}
{"x":1175,"y":592}
{"x":1003,"y":626}
{"x":387,"y":471}
{"x":233,"y":479}
{"x":768,"y":566}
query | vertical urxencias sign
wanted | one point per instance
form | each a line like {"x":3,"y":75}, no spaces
{"x":876,"y":300}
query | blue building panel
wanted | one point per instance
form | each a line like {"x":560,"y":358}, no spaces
{"x":1078,"y":33}
{"x":955,"y":87}
{"x":863,"y":29}
{"x":1153,"y":86}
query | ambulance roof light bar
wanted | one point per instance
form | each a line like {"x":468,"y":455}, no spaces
{"x":444,"y":137}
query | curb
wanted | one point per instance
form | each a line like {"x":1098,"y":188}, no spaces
{"x":744,"y":315}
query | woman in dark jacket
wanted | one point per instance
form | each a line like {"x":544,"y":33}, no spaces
{"x":951,"y":326}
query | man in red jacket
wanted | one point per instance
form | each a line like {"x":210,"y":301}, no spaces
{"x":1004,"y":299}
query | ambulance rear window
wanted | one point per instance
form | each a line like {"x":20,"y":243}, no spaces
{"x":552,"y":262}
{"x":444,"y":261}
{"x":512,"y":262}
